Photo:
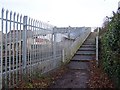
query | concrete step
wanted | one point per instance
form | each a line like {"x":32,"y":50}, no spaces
{"x":89,"y":43}
{"x":89,"y":40}
{"x":87,"y":49}
{"x":78,"y":65}
{"x":85,"y":53}
{"x":83,"y":58}
{"x":88,"y":46}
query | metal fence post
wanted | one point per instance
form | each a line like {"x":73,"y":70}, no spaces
{"x":97,"y":47}
{"x":97,"y":50}
{"x":1,"y":57}
{"x":24,"y":41}
{"x":63,"y":55}
{"x":54,"y":46}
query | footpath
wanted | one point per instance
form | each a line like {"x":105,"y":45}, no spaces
{"x":78,"y":73}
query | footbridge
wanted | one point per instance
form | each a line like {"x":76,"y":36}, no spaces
{"x":29,"y":46}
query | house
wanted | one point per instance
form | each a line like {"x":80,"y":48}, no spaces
{"x":32,"y":39}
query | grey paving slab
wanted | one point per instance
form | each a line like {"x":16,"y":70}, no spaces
{"x":83,"y":57}
{"x":85,"y":52}
{"x":78,"y":65}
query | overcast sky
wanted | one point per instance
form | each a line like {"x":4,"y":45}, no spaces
{"x":64,"y":12}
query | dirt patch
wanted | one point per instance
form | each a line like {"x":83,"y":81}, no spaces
{"x":98,"y":78}
{"x":73,"y":78}
{"x":68,"y":78}
{"x":43,"y":81}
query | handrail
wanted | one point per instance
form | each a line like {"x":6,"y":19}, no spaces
{"x":97,"y":47}
{"x":97,"y":50}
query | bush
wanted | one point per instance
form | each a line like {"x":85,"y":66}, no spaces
{"x":110,"y":49}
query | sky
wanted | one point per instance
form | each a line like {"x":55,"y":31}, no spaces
{"x":64,"y":13}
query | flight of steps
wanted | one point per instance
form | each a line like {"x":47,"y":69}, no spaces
{"x":77,"y":75}
{"x":84,"y":54}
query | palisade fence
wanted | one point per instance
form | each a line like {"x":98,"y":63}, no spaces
{"x":29,"y":46}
